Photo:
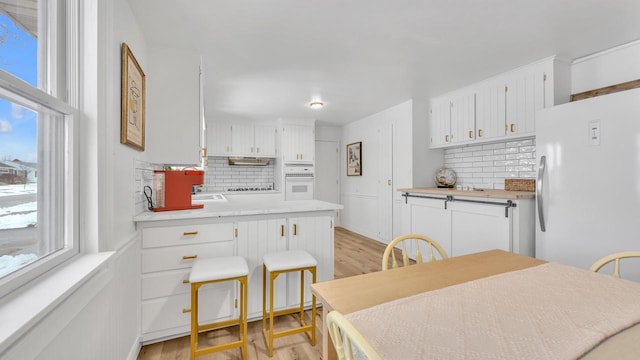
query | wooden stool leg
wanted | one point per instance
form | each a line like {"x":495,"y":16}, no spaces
{"x":313,"y":309}
{"x":302,"y":297}
{"x":243,"y":315}
{"x":272,"y":277}
{"x":194,"y":320}
{"x":264,"y":299}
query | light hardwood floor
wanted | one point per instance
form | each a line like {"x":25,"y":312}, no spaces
{"x":354,"y":254}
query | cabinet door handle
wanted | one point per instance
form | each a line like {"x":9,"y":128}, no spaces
{"x":446,"y":138}
{"x":185,"y":281}
{"x":470,"y":134}
{"x":189,"y":257}
{"x":257,"y":149}
{"x":185,"y":310}
{"x":252,"y":149}
{"x":512,"y":127}
{"x":190,"y":233}
{"x":281,"y":230}
{"x":479,"y":132}
{"x":295,"y":229}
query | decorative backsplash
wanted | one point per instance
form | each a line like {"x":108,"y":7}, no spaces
{"x":219,"y":176}
{"x":487,"y":166}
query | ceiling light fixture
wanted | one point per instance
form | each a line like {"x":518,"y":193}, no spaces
{"x":316,"y":105}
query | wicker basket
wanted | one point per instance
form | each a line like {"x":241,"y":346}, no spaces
{"x":520,"y":184}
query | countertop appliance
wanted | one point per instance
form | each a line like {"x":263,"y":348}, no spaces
{"x":173,"y":189}
{"x":298,"y":182}
{"x":588,"y":185}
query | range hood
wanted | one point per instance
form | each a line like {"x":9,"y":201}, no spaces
{"x":248,"y":161}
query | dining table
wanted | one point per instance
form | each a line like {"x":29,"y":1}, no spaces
{"x":493,"y":304}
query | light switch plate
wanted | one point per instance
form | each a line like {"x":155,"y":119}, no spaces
{"x":594,"y":132}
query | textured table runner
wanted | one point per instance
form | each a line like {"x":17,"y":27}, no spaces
{"x":549,"y":311}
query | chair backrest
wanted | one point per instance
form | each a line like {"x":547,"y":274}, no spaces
{"x":616,"y":258}
{"x":347,"y":338}
{"x":432,"y":244}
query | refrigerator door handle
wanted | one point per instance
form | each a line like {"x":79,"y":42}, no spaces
{"x":539,"y":184}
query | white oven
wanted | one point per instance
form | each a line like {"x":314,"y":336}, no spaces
{"x":298,"y":182}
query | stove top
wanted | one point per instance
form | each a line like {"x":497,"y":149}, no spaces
{"x":250,"y":189}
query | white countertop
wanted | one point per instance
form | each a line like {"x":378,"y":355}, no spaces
{"x":240,"y":205}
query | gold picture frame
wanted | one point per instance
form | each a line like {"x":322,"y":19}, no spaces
{"x":354,"y":159}
{"x":132,"y":119}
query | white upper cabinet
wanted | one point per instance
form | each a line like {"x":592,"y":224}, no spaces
{"x":463,"y":117}
{"x":501,"y":107}
{"x":241,"y":139}
{"x":219,"y":138}
{"x":490,"y":110}
{"x":440,"y":125}
{"x":298,"y":143}
{"x":264,"y":140}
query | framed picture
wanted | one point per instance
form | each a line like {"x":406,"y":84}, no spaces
{"x":354,"y":159}
{"x":133,"y":101}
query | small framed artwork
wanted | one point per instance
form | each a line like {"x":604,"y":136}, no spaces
{"x":133,"y":101}
{"x":354,"y":159}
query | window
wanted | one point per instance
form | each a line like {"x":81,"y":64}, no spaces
{"x":38,"y":166}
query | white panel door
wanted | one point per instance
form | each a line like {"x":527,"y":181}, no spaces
{"x":478,"y":227}
{"x":490,"y":110}
{"x":264,"y":140}
{"x":219,"y":138}
{"x":242,"y":139}
{"x":327,"y":171}
{"x":315,"y":235}
{"x":463,"y":120}
{"x":430,"y":218}
{"x":440,"y":125}
{"x":273,"y":238}
{"x":307,"y":143}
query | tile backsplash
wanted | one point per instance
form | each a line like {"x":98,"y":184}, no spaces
{"x":142,"y":176}
{"x":486,"y":166}
{"x":220,"y":176}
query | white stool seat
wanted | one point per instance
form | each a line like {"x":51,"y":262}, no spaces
{"x":218,"y":268}
{"x":285,"y":260}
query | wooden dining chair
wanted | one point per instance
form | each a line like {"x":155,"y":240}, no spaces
{"x":404,"y":239}
{"x":346,"y":338}
{"x":616,"y":258}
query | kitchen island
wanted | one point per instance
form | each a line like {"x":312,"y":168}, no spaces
{"x":244,"y":225}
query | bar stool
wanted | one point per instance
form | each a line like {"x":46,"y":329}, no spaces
{"x":213,"y":270}
{"x":280,"y":263}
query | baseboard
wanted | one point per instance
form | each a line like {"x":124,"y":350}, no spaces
{"x":135,"y":349}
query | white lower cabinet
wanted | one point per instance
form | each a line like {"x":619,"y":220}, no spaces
{"x":256,"y":238}
{"x":315,"y":235}
{"x":168,"y":252}
{"x":479,"y":227}
{"x":169,"y":249}
{"x":463,"y":226}
{"x":427,"y":218}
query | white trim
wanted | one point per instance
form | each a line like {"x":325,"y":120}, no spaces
{"x":605,"y":52}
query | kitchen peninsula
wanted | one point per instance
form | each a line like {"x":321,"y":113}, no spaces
{"x":243,"y":225}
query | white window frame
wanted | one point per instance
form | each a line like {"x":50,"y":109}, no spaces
{"x":57,"y":93}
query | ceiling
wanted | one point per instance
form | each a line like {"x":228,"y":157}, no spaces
{"x":269,"y":59}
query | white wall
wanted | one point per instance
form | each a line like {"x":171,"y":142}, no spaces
{"x":608,"y":67}
{"x":173,"y":106}
{"x":394,"y":147}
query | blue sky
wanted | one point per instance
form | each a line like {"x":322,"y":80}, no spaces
{"x":18,"y":126}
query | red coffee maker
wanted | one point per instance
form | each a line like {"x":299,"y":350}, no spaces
{"x":173,"y":189}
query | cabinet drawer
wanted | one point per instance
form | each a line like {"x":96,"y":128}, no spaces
{"x":216,"y":303}
{"x":165,"y":283}
{"x":173,"y":257}
{"x":187,"y":234}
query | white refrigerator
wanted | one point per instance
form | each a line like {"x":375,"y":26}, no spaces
{"x":588,"y":184}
